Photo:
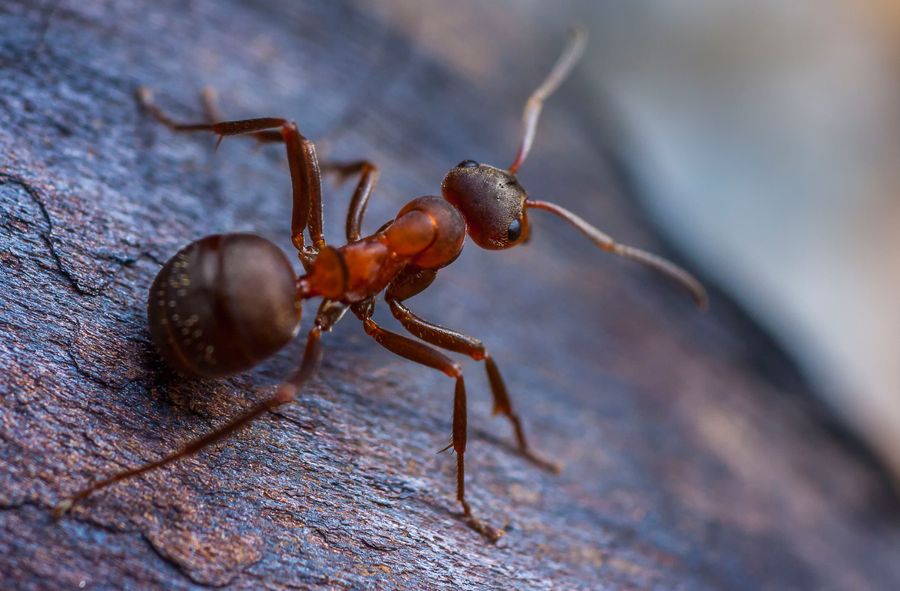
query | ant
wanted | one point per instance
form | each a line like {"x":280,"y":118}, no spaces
{"x":226,"y":302}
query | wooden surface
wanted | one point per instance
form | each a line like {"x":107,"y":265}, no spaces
{"x":694,"y":458}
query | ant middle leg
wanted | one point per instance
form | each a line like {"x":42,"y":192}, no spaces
{"x":425,"y":355}
{"x":414,"y":281}
{"x":303,"y":162}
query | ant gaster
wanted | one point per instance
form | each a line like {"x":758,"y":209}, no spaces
{"x":226,"y":302}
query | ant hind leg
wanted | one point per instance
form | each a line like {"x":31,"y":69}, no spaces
{"x":285,"y":393}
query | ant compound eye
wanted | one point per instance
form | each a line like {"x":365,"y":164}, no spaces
{"x":514,"y":231}
{"x":467,"y":164}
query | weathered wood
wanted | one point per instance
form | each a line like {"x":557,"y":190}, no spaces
{"x":690,"y":463}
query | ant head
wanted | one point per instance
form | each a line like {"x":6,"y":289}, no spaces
{"x":491,"y":200}
{"x":494,"y":204}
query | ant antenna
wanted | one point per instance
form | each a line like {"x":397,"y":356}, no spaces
{"x":532,"y":112}
{"x":606,"y":242}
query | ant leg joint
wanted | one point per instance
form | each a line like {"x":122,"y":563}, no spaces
{"x":298,"y":241}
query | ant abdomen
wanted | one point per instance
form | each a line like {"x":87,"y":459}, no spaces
{"x":223,"y":304}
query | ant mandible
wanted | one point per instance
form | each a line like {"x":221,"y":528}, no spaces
{"x":226,"y":302}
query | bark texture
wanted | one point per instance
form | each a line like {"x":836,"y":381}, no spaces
{"x":694,"y":458}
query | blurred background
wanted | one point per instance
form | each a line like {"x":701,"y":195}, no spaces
{"x":763,"y":137}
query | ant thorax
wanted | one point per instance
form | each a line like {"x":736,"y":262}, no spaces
{"x":427,"y":233}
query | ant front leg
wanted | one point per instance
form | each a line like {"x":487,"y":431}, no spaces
{"x":425,"y":355}
{"x":414,"y":281}
{"x":306,"y":176}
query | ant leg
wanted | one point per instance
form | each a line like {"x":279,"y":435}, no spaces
{"x":305,"y":170}
{"x":368,"y":177}
{"x":210,"y":111}
{"x":415,"y":281}
{"x":328,"y":314}
{"x":306,"y":177}
{"x":425,"y":355}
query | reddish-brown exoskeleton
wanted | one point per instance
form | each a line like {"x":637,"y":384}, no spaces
{"x":226,"y":302}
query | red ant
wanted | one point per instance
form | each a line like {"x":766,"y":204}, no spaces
{"x":226,"y":302}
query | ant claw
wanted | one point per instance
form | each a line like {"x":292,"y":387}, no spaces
{"x":490,"y":533}
{"x":62,"y":508}
{"x":548,"y":465}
